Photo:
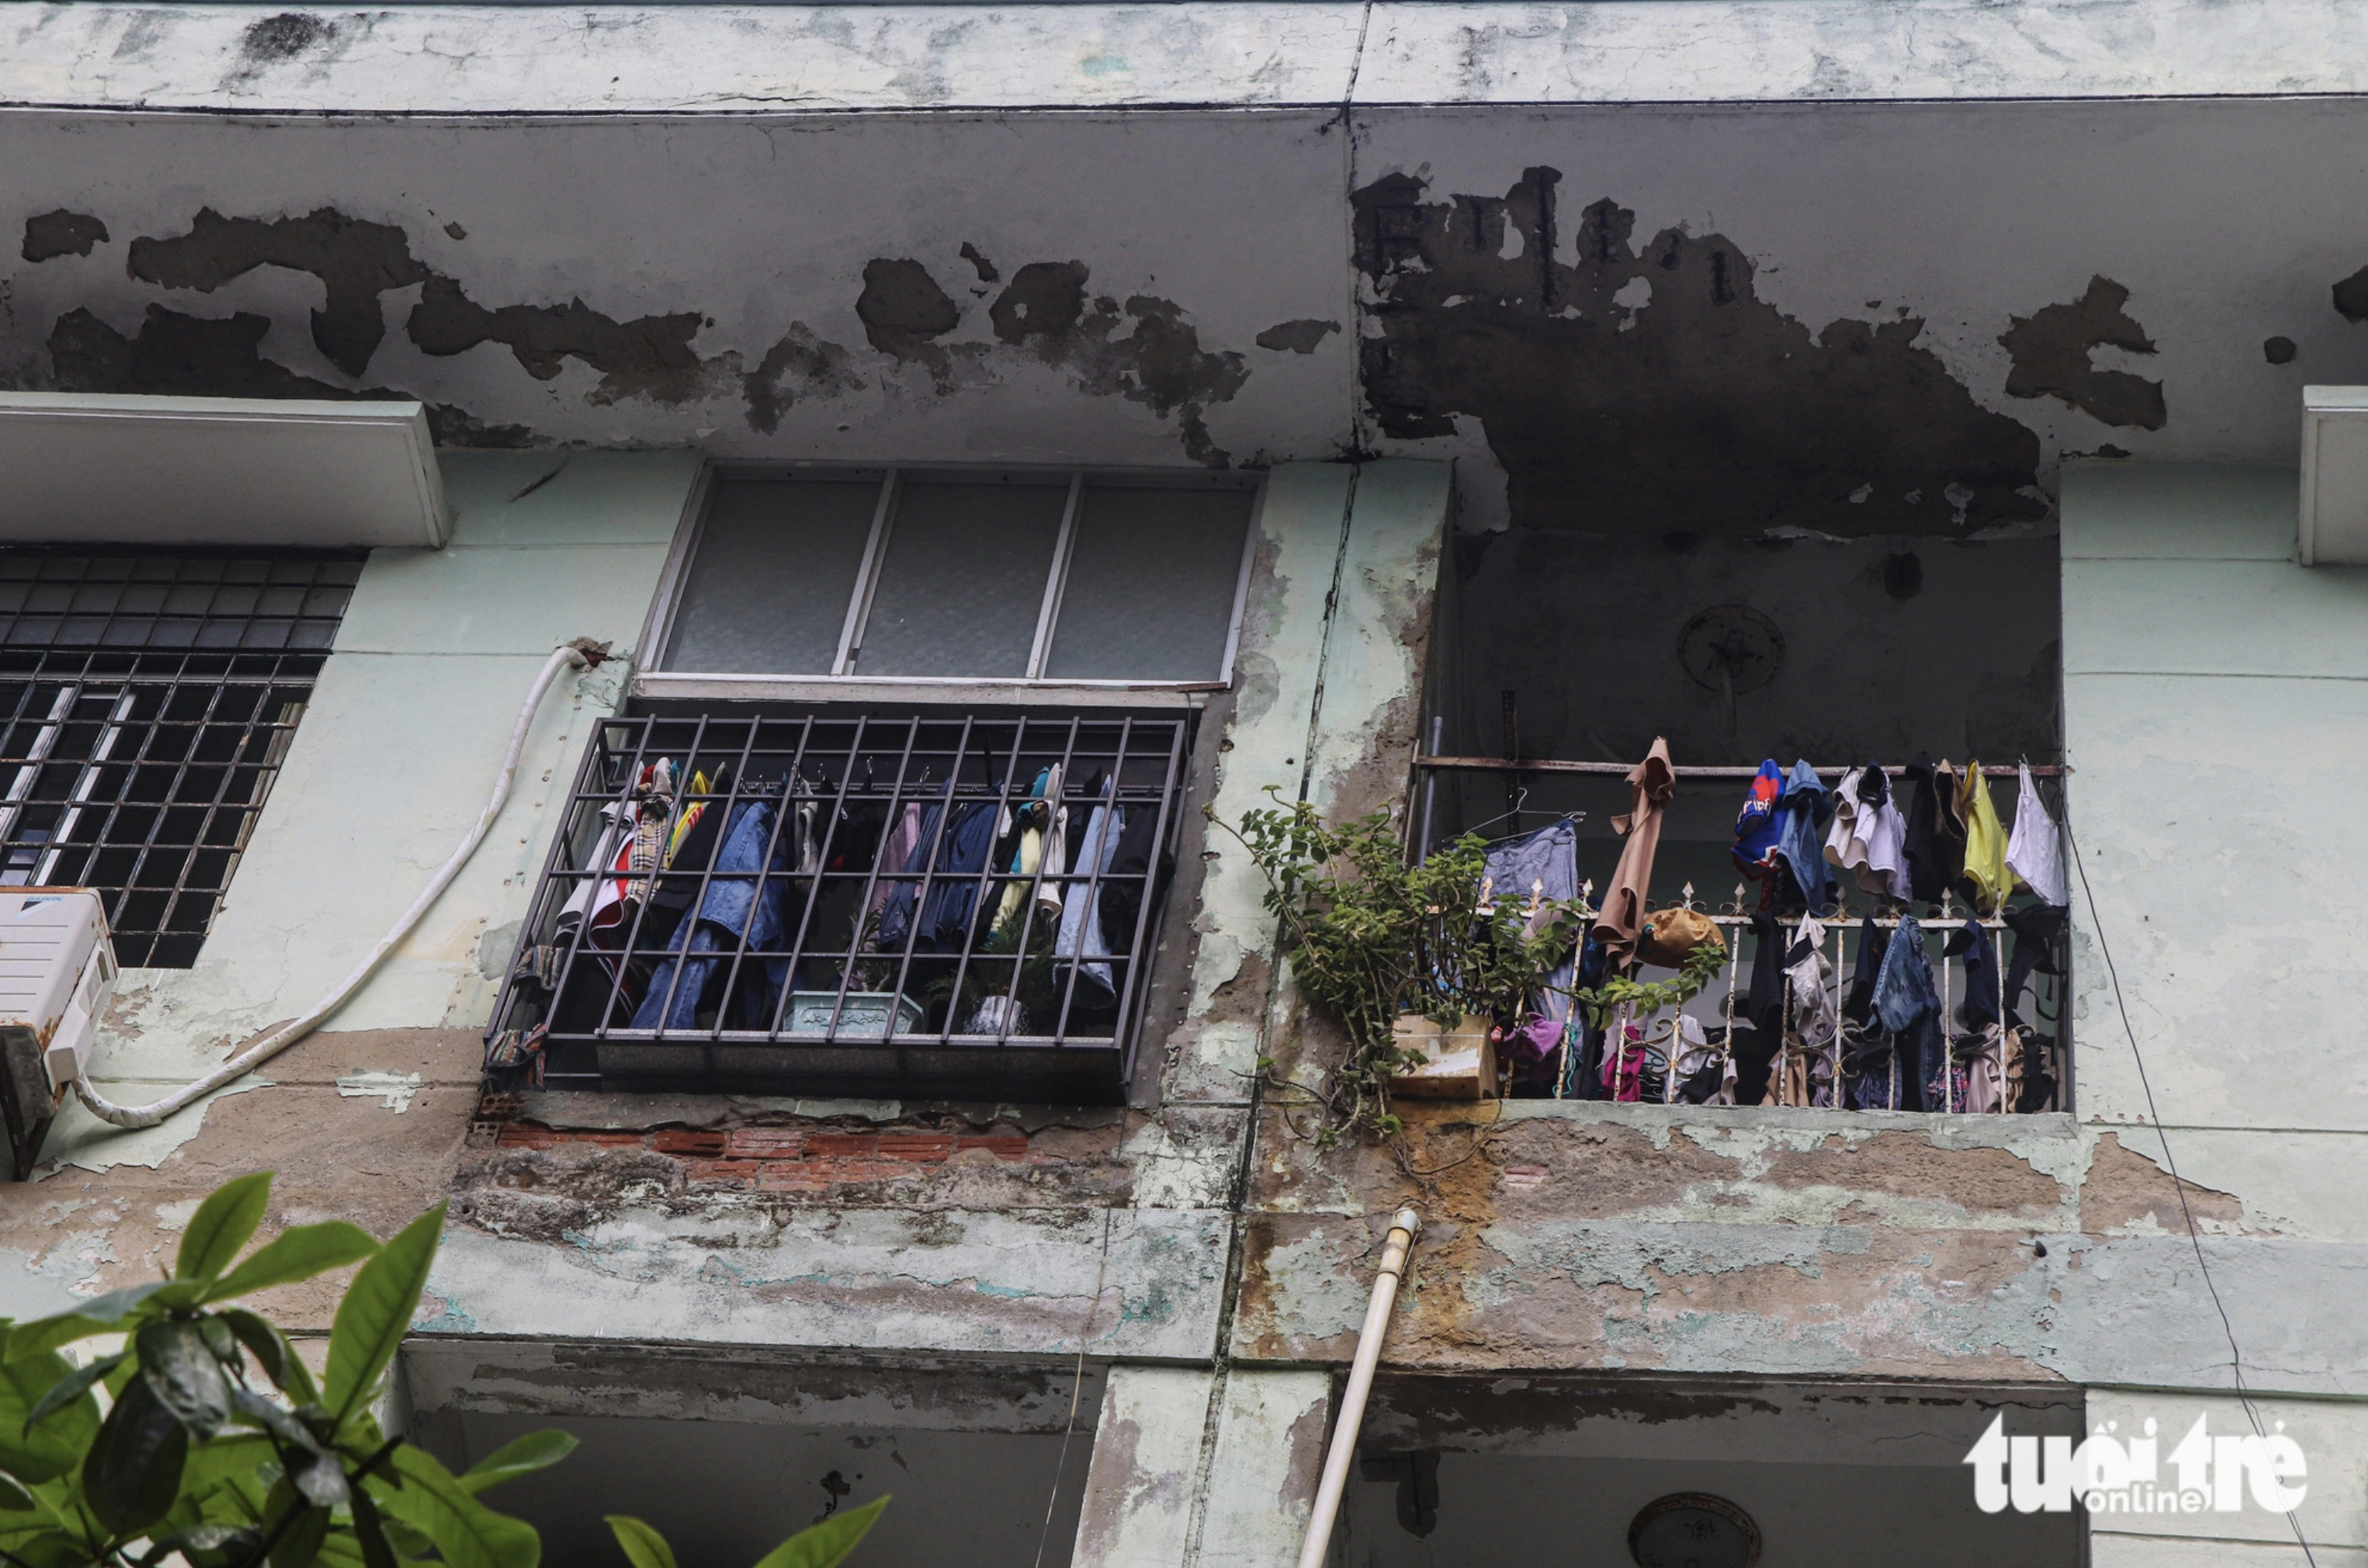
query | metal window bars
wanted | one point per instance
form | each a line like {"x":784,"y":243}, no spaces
{"x":1809,"y":1059}
{"x":147,"y":701}
{"x":836,"y":901}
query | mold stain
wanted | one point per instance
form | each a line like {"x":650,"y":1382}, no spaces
{"x":1647,"y":380}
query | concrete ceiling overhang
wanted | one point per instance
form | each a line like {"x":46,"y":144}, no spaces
{"x":127,"y":469}
{"x":2334,"y":530}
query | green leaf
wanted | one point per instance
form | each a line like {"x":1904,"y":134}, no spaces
{"x":522,"y":1455}
{"x":825,"y":1544}
{"x":103,"y":1314}
{"x":254,"y":1410}
{"x":134,"y":1471}
{"x":182,"y":1371}
{"x":221,"y":1226}
{"x":57,"y":1445}
{"x":300,"y":1542}
{"x":210,"y":1464}
{"x":370,"y":1533}
{"x":377,"y":1310}
{"x":466,"y":1533}
{"x":644,"y":1548}
{"x":15,"y":1499}
{"x":264,"y":1343}
{"x":74,"y":1385}
{"x":300,"y":1252}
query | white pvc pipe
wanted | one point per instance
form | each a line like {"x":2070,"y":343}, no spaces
{"x":579,"y":653}
{"x":1404,"y":1227}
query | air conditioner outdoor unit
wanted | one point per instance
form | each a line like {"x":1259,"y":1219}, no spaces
{"x":57,"y":970}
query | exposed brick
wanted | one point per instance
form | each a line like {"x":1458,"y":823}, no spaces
{"x":525,"y":1135}
{"x":826,"y":1144}
{"x":923,"y":1146}
{"x":736,"y":1171}
{"x":1002,"y":1145}
{"x":605,"y":1140}
{"x":766,"y":1143}
{"x":685,"y":1140}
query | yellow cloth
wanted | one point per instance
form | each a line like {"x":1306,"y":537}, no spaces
{"x":689,"y":818}
{"x":1984,"y":839}
{"x":1031,"y":854}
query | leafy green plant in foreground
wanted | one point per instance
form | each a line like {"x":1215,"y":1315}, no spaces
{"x":216,"y":1446}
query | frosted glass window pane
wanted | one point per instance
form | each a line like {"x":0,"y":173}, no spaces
{"x":768,"y":587}
{"x":963,"y":580}
{"x":1150,"y":595}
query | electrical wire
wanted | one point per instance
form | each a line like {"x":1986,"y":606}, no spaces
{"x":1076,"y":1387}
{"x":2194,"y":1238}
{"x":582,"y":653}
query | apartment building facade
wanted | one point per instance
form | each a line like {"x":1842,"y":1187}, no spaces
{"x":1094,"y":419}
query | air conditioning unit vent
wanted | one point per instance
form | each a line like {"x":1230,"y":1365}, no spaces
{"x":57,"y":970}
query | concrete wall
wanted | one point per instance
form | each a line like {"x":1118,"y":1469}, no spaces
{"x":1898,"y":307}
{"x":391,"y":765}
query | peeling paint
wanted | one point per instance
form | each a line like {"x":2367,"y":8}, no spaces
{"x":1706,"y":403}
{"x":61,"y":233}
{"x":2053,"y":351}
{"x":392,"y":1090}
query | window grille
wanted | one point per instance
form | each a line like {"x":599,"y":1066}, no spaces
{"x":149,"y":699}
{"x":841,"y":902}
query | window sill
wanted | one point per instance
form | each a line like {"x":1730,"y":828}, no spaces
{"x":663,"y":685}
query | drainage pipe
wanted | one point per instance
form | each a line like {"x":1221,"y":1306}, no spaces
{"x":579,"y":654}
{"x":1404,"y":1227}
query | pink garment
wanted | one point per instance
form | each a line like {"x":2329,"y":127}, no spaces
{"x":894,"y":854}
{"x":1624,"y":1070}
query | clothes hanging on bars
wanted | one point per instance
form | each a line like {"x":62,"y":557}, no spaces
{"x":741,"y":908}
{"x":945,"y":922}
{"x":1582,"y":1037}
{"x":1868,"y":835}
{"x":2038,"y":931}
{"x":1802,"y":813}
{"x":1759,"y":1026}
{"x":1706,"y":1075}
{"x":1986,"y":882}
{"x":1935,"y":841}
{"x":1081,"y":923}
{"x":1814,"y":1029}
{"x":1651,"y":783}
{"x":2035,"y":852}
{"x":908,"y":851}
{"x":1972,"y":945}
{"x":1544,"y":866}
{"x":1909,"y":1006}
{"x":1130,"y":870}
{"x":1756,"y":828}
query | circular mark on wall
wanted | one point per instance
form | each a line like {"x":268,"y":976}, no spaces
{"x":1694,"y":1529}
{"x":1731,"y":649}
{"x":2279,"y":350}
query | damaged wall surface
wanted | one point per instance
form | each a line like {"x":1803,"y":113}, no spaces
{"x":1574,"y":319}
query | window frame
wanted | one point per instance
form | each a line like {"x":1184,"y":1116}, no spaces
{"x":841,"y":683}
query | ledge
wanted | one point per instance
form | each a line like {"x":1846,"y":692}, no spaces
{"x":775,"y":60}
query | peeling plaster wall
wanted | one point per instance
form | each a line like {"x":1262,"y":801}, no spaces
{"x":1884,"y":316}
{"x":669,"y":1218}
{"x":531,"y":279}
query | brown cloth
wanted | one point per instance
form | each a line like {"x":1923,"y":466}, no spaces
{"x":1650,"y":783}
